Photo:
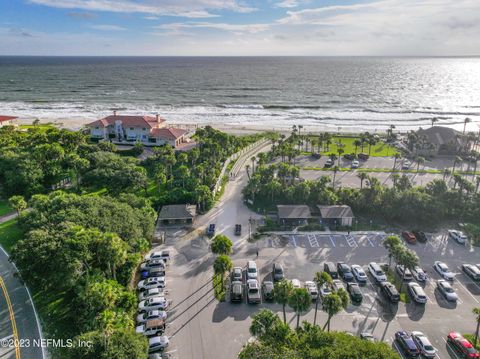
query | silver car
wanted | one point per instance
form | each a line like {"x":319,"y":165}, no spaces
{"x":424,"y":344}
{"x":417,"y":293}
{"x":446,"y":289}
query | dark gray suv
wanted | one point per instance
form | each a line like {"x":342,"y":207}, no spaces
{"x":277,"y":272}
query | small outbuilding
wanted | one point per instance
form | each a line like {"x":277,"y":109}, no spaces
{"x":178,"y":214}
{"x":293,"y":213}
{"x":341,"y":215}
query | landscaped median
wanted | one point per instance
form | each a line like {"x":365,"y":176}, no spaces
{"x":385,"y":170}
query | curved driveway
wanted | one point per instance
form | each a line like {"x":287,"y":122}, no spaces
{"x":18,"y":320}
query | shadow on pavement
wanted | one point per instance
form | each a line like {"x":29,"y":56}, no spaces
{"x":415,"y":311}
{"x":442,"y":301}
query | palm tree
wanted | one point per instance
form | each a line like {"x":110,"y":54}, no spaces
{"x":362,"y":176}
{"x":299,"y":301}
{"x":396,"y":157}
{"x":407,"y":258}
{"x":357,"y":143}
{"x":221,"y":244}
{"x":395,"y":178}
{"x":457,"y":159}
{"x":371,"y":142}
{"x":419,"y":160}
{"x":446,"y":172}
{"x":222,"y":264}
{"x":332,"y":304}
{"x":263,"y":322}
{"x":434,"y":120}
{"x":467,"y":120}
{"x":282,"y":292}
{"x":320,"y":279}
{"x":340,"y":151}
{"x":477,"y":183}
{"x":476,"y":312}
{"x":391,"y":243}
{"x":247,"y":168}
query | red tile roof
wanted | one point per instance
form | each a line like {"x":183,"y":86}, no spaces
{"x":7,"y":118}
{"x":171,"y":133}
{"x":133,"y":121}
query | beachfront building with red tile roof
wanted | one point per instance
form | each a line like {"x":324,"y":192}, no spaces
{"x":149,"y":130}
{"x":7,"y":121}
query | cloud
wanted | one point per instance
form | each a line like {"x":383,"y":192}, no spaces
{"x":103,"y":27}
{"x":287,"y":4}
{"x":81,"y":15}
{"x":182,"y":8}
{"x":237,"y":28}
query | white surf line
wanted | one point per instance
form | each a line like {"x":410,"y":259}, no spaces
{"x":331,"y":240}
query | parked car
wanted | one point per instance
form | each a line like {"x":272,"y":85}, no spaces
{"x":236,"y":291}
{"x":252,"y":272}
{"x":253,"y":292}
{"x":355,"y":164}
{"x":447,"y":291}
{"x":359,"y":273}
{"x":330,"y":268}
{"x":355,"y":292}
{"x":337,"y":284}
{"x":377,"y":272}
{"x":238,"y":229}
{"x":458,"y":236}
{"x":363,"y":156}
{"x":390,"y":291}
{"x":151,"y":315}
{"x":420,"y":235}
{"x":462,"y":346}
{"x":443,"y":270}
{"x":155,"y":303}
{"x":417,"y":292}
{"x":409,"y":237}
{"x":405,"y":274}
{"x":151,"y":327}
{"x":157,"y":343}
{"x":153,"y":263}
{"x":349,"y":156}
{"x":164,"y":254}
{"x":312,"y":289}
{"x":150,"y":293}
{"x":156,"y":272}
{"x":472,"y":271}
{"x":237,"y":274}
{"x":211,"y":230}
{"x":277,"y":272}
{"x":267,"y":290}
{"x":329,"y":163}
{"x":419,"y":274}
{"x":316,"y":155}
{"x":345,"y":271}
{"x":406,"y":165}
{"x":367,"y":336}
{"x":296,"y":283}
{"x":426,"y":348}
{"x":407,"y":344}
{"x":149,"y":283}
{"x":325,"y":290}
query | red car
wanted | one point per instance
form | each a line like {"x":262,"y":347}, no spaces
{"x":409,"y":237}
{"x":462,"y":346}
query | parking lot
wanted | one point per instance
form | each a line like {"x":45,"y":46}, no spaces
{"x":201,"y":327}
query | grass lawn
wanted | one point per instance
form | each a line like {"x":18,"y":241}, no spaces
{"x":379,"y":150}
{"x":10,"y":233}
{"x":4,"y":208}
{"x":42,"y":127}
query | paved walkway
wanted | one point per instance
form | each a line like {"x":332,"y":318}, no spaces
{"x":18,"y":319}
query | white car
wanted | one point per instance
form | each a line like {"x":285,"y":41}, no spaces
{"x":377,"y":272}
{"x":253,"y":292}
{"x":153,"y":282}
{"x":312,"y":289}
{"x":459,"y":236}
{"x":296,"y":283}
{"x":152,"y":263}
{"x":406,"y":165}
{"x":151,"y":315}
{"x":427,"y":349}
{"x":165,"y":255}
{"x":472,"y":271}
{"x":252,"y":271}
{"x":406,"y":275}
{"x":157,"y":343}
{"x":447,"y":291}
{"x":325,"y":290}
{"x":150,"y":293}
{"x":355,"y":164}
{"x":419,"y":274}
{"x":337,"y":284}
{"x":150,"y":328}
{"x":159,"y":303}
{"x":359,"y":273}
{"x":443,"y":270}
{"x":417,"y":292}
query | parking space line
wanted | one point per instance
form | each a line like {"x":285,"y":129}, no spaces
{"x":294,"y":241}
{"x":351,"y":241}
{"x":448,"y":346}
{"x":313,"y":240}
{"x":469,"y":279}
{"x":370,"y":242}
{"x":471,"y":295}
{"x":331,"y":239}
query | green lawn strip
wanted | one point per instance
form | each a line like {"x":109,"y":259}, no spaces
{"x":396,"y":281}
{"x":42,"y":127}
{"x":381,"y":149}
{"x":218,"y":290}
{"x":10,"y":233}
{"x":4,"y":207}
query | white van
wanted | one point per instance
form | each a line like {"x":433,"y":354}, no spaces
{"x":377,"y":272}
{"x":252,"y":272}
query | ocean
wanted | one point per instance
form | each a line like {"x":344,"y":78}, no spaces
{"x":320,"y":93}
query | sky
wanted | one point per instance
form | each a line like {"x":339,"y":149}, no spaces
{"x":240,"y":27}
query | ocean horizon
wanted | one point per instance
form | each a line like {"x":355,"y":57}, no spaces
{"x":347,"y":94}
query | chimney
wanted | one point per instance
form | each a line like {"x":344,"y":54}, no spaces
{"x":114,"y":112}
{"x":158,"y":119}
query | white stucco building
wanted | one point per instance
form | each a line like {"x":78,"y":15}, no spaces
{"x":7,"y":121}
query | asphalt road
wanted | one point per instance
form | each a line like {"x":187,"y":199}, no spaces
{"x":18,"y":320}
